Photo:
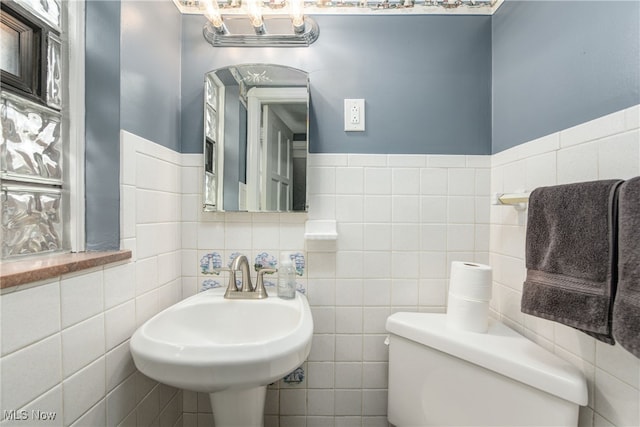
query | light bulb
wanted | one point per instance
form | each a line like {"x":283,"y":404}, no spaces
{"x":212,"y":12}
{"x":255,"y":13}
{"x":296,"y":11}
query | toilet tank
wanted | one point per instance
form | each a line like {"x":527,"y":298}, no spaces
{"x":447,"y":377}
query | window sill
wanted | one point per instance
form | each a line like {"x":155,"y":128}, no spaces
{"x":20,"y":272}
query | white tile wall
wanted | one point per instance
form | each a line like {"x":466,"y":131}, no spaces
{"x":30,"y":372}
{"x":89,"y":336}
{"x":608,"y":147}
{"x":29,"y":316}
{"x":401,"y":221}
{"x":65,"y":343}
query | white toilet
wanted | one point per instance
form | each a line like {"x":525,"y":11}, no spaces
{"x":440,"y":376}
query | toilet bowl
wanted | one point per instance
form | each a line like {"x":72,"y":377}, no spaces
{"x":440,"y":376}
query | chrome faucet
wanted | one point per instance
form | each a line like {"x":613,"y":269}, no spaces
{"x":246,"y":290}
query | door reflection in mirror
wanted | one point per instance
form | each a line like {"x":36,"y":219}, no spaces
{"x":256,"y":139}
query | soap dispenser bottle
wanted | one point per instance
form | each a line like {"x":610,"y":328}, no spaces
{"x":286,"y":277}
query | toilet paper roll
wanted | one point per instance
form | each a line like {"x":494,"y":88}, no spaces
{"x":470,"y":280}
{"x":467,"y":315}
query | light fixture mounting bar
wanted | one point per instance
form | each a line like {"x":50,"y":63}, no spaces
{"x":279,"y":31}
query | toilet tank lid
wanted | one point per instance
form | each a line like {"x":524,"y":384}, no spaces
{"x":501,"y":350}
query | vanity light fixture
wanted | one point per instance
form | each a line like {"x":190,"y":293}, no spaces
{"x":252,"y":29}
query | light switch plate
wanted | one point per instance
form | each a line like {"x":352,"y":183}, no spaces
{"x":354,"y":115}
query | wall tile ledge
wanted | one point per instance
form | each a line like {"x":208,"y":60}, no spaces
{"x":20,"y":272}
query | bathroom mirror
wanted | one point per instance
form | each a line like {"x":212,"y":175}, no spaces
{"x":256,"y":139}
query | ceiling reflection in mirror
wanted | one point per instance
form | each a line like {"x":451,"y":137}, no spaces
{"x":256,"y":139}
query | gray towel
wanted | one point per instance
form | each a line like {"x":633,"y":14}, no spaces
{"x":570,"y":253}
{"x":626,"y":308}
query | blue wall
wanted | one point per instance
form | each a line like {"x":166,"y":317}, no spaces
{"x":557,"y":64}
{"x":150,"y":57}
{"x":132,"y":83}
{"x":102,"y":125}
{"x":432,"y":84}
{"x":426,"y":81}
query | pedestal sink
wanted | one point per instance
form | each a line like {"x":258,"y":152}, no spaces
{"x":231,"y":349}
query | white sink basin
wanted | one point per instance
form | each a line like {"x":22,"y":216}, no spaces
{"x":207,"y":343}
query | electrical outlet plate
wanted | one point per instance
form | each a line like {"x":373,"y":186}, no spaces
{"x":354,"y":115}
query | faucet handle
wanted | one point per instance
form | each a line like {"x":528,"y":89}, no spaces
{"x":265,"y":270}
{"x":259,"y":289}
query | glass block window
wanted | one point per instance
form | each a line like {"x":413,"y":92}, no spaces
{"x":31,"y":220}
{"x":209,"y":191}
{"x":211,"y":92}
{"x":54,"y":72}
{"x":32,"y":134}
{"x":47,"y":10}
{"x":31,"y":147}
{"x":211,"y":121}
